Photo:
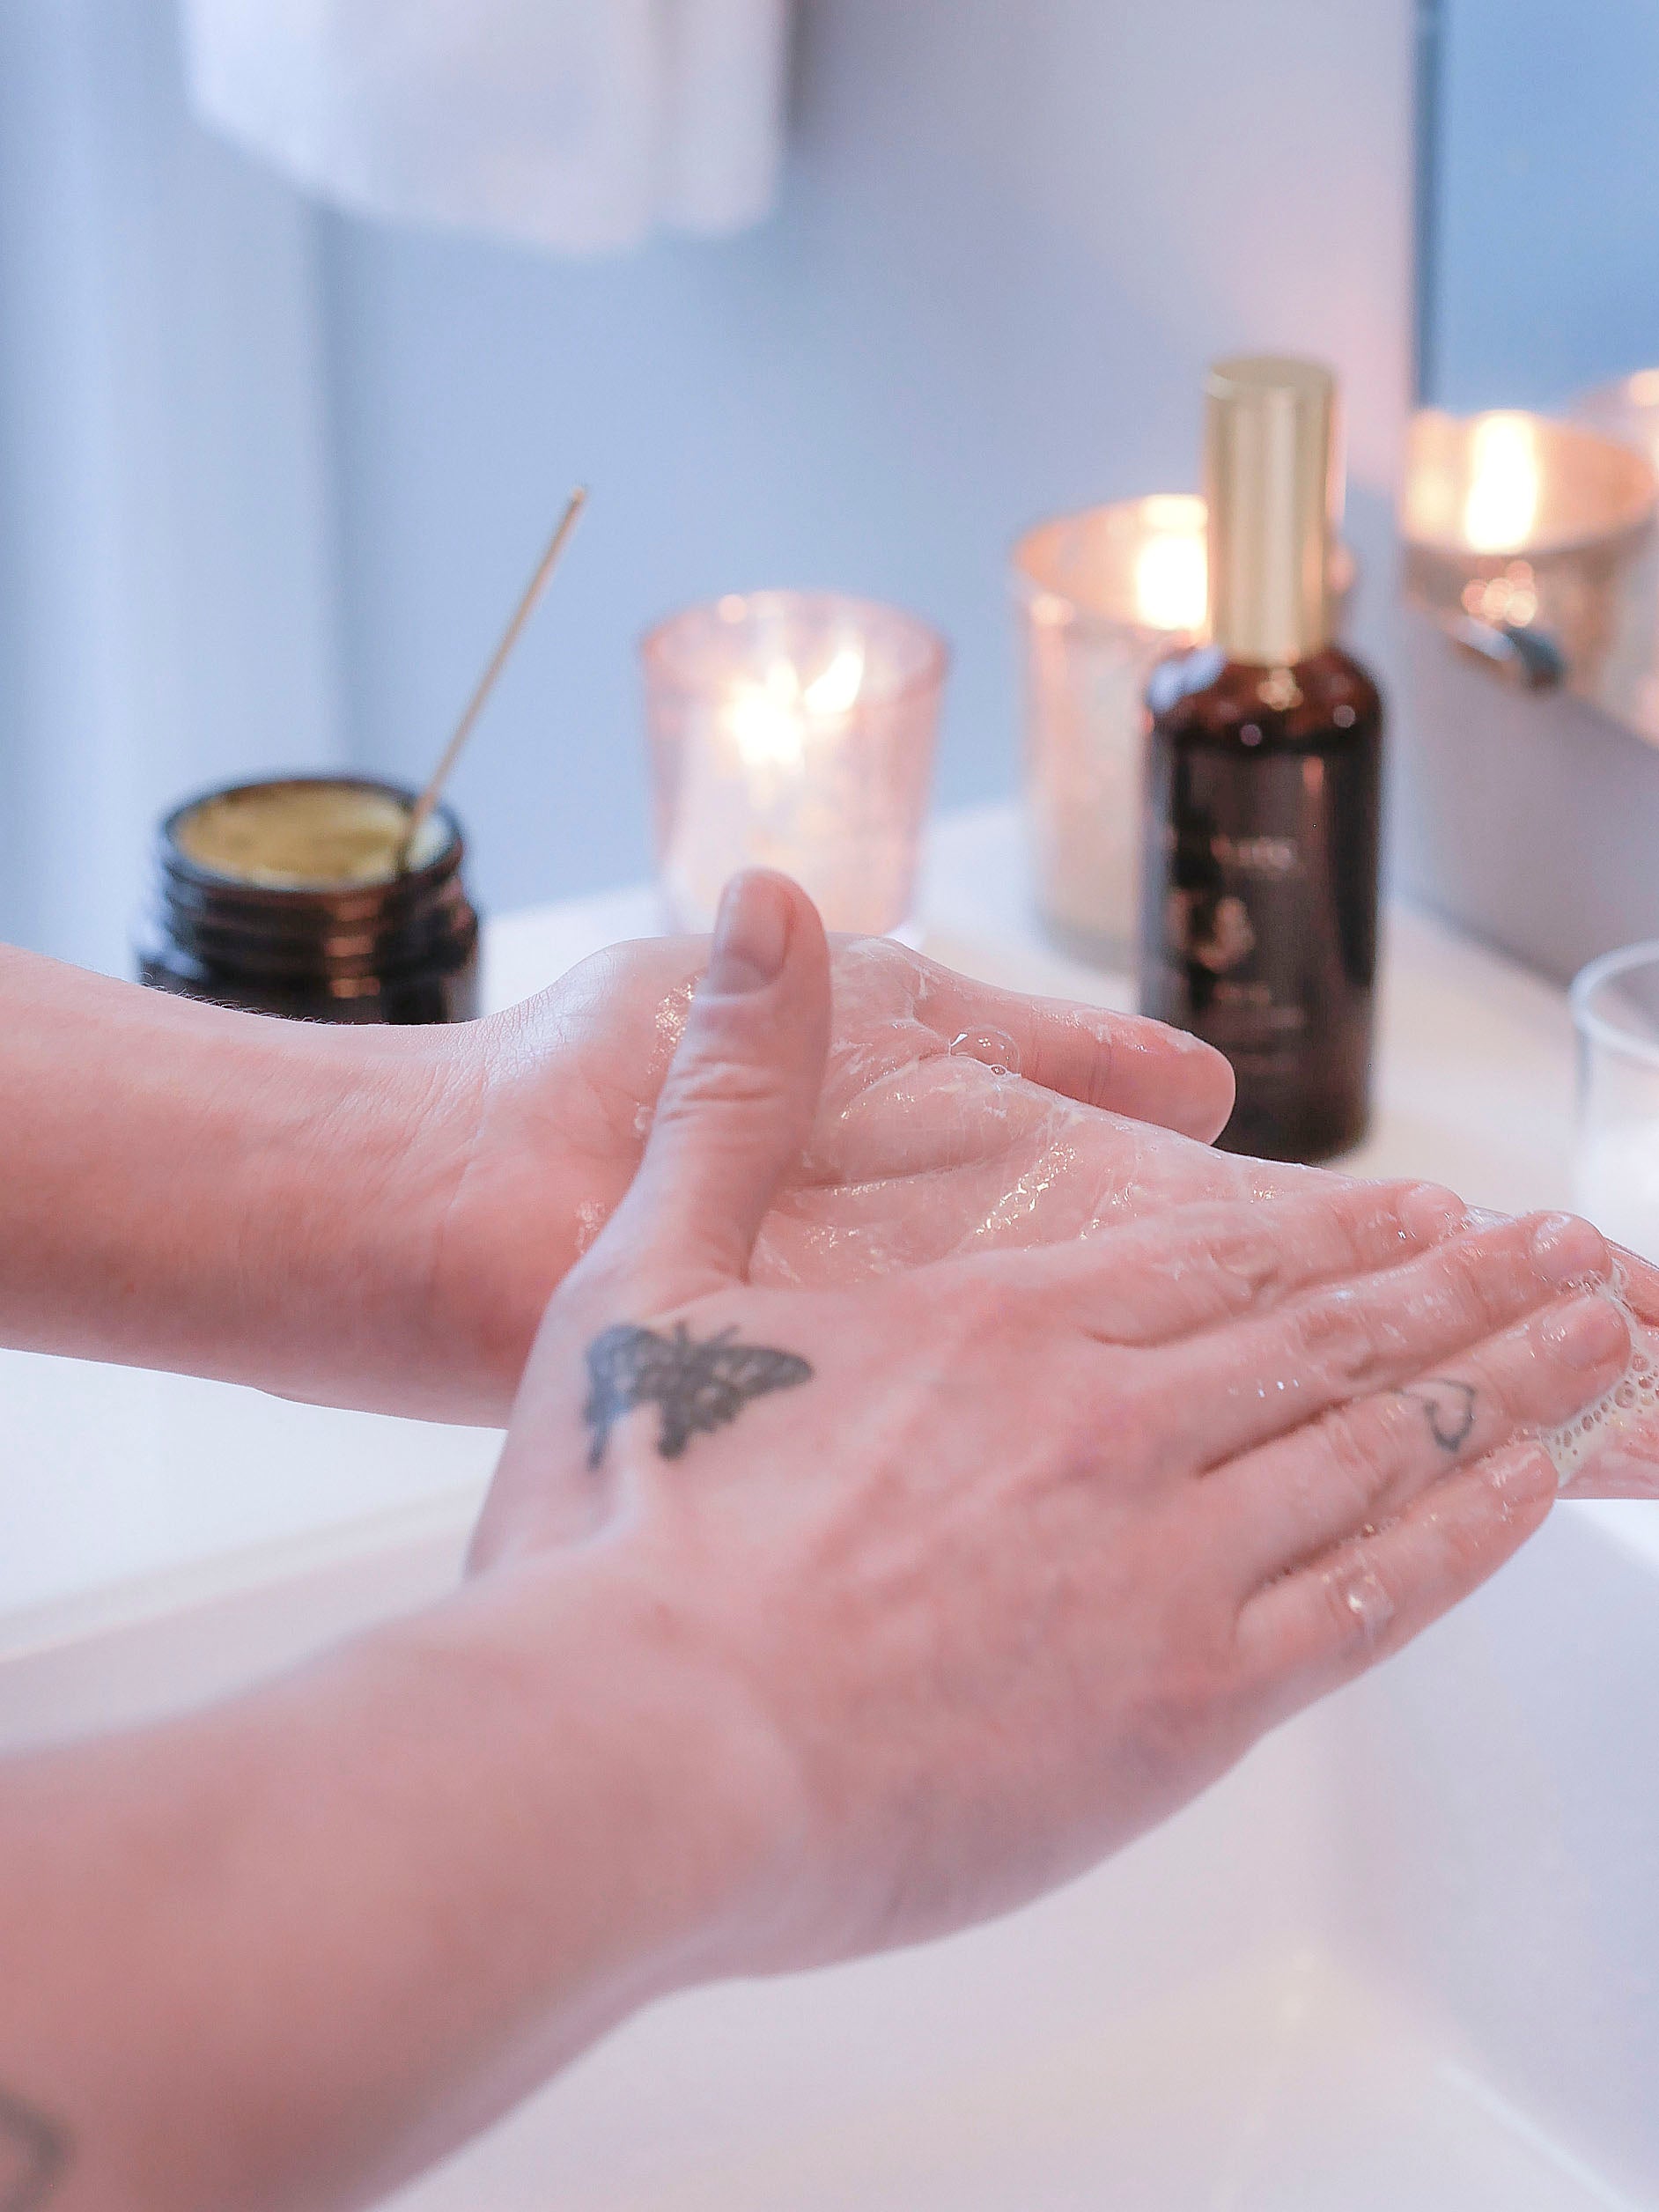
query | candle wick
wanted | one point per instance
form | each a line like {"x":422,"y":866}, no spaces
{"x":486,"y":682}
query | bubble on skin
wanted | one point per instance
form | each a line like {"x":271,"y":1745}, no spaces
{"x":1612,"y":1424}
{"x":993,"y":1048}
{"x":1630,"y":1402}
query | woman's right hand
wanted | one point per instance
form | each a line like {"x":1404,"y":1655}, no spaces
{"x":1003,"y":1559}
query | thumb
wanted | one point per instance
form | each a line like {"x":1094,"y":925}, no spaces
{"x":738,"y":1102}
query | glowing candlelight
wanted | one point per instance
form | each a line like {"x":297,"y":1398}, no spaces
{"x":1171,"y":583}
{"x":1501,"y":508}
{"x":794,"y":731}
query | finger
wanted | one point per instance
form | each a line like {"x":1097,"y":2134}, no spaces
{"x":1330,"y":1620}
{"x":1363,"y":1463}
{"x":1121,"y":1061}
{"x":1231,"y":1389}
{"x":738,"y":1100}
{"x":1638,"y":1282}
{"x":1174,"y":1274}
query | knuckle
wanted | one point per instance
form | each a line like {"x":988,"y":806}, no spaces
{"x":1360,"y":1445}
{"x":1488,"y":1285}
{"x":1334,"y":1335}
{"x":1247,"y":1260}
{"x":718,"y":1080}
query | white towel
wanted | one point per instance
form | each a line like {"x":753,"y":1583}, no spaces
{"x":579,"y":125}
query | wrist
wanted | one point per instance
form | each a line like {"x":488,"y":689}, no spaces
{"x":348,"y":1198}
{"x":486,"y":1217}
{"x":645,"y":1768}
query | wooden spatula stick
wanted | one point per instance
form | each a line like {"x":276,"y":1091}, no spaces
{"x":497,"y":660}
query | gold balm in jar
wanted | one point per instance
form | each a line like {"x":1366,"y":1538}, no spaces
{"x":296,"y":895}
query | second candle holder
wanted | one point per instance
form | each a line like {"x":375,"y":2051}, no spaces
{"x":1102,"y":597}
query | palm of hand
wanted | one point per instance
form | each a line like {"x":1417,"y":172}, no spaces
{"x":954,"y":1117}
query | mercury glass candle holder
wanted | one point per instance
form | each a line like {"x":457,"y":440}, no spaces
{"x":794,"y":730}
{"x":1531,"y":542}
{"x":1102,"y":597}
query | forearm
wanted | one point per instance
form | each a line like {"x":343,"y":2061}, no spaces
{"x":286,"y":1953}
{"x":216,"y":1192}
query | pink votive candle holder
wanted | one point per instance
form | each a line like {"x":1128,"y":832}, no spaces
{"x":1102,"y":597}
{"x":794,"y":730}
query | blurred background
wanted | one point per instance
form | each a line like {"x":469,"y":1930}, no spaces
{"x":272,"y":473}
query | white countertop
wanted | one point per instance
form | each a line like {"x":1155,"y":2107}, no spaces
{"x":124,"y":1491}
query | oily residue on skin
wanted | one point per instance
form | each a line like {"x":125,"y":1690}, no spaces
{"x":987,"y":1157}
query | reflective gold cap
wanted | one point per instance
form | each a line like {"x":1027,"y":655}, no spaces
{"x":1269,"y":426}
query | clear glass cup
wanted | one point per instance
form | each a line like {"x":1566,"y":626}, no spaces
{"x":794,"y":730}
{"x":1615,"y":1146}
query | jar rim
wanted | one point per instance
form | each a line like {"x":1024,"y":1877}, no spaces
{"x":178,"y":862}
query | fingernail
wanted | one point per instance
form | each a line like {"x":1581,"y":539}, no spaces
{"x":751,"y":934}
{"x":1587,"y":1333}
{"x":1567,"y":1249}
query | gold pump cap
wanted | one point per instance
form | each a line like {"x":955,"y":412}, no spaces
{"x":1269,"y":426}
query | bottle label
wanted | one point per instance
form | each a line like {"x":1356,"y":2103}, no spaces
{"x":1259,"y":933}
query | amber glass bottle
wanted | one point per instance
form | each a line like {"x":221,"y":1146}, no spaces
{"x":1258,"y":923}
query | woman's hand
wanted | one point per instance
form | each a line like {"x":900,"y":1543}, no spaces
{"x":1007,"y":1556}
{"x":804,"y":1620}
{"x":952,"y":1115}
{"x":376,"y":1217}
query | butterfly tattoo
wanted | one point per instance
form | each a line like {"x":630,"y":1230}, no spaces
{"x":695,"y":1387}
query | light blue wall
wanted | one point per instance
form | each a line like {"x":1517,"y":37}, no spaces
{"x":166,"y":587}
{"x":269,"y":479}
{"x":1546,"y":269}
{"x":1014,"y":232}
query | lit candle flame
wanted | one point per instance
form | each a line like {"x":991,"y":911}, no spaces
{"x":836,"y":689}
{"x":1502,"y":506}
{"x":769,"y":720}
{"x":1170,"y":582}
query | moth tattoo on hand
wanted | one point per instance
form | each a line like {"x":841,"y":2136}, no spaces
{"x":696,"y":1387}
{"x":1449,"y":1407}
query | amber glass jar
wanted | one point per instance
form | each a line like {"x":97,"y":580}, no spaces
{"x":288,"y":896}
